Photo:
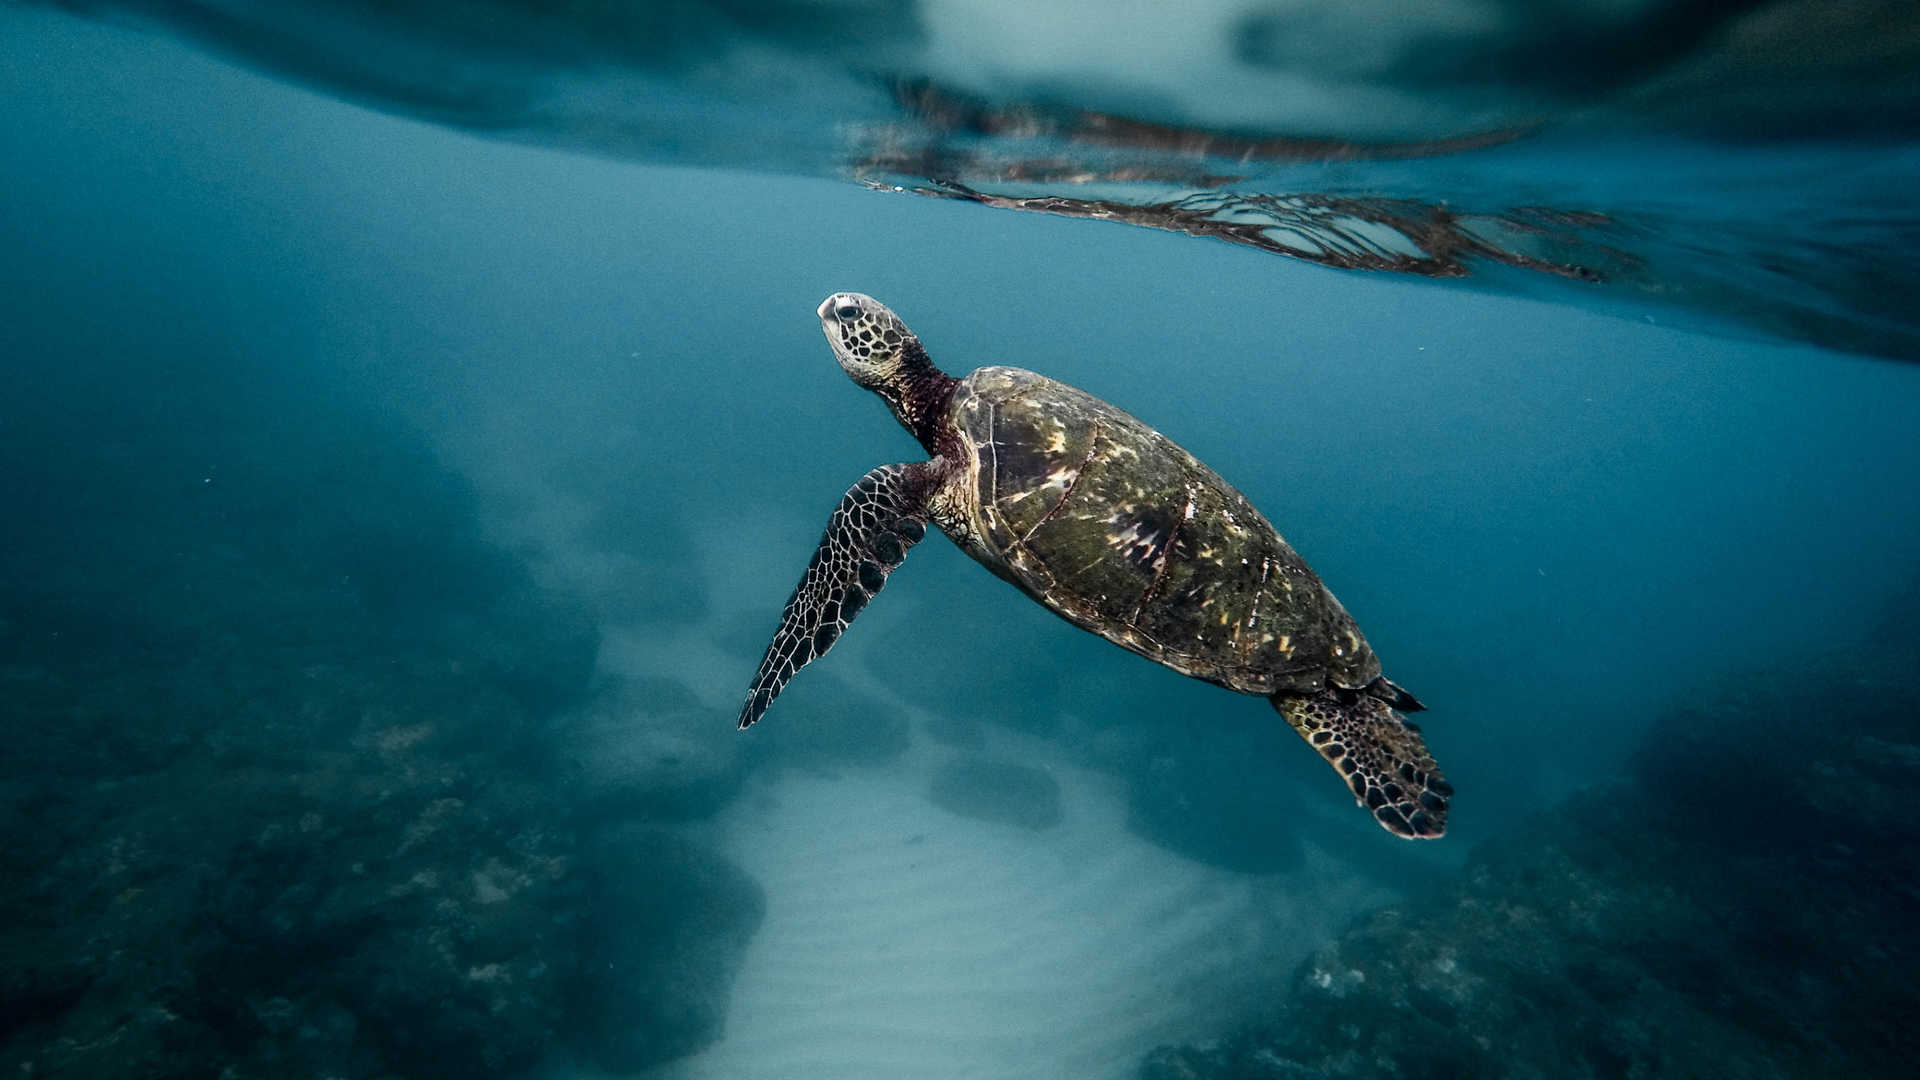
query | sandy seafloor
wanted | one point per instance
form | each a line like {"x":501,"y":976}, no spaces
{"x":901,"y":938}
{"x":1555,"y":524}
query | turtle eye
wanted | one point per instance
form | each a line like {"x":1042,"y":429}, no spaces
{"x":847,"y":312}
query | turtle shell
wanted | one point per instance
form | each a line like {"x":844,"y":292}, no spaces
{"x":1115,"y":527}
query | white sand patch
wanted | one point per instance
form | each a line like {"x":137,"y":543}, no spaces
{"x":904,"y":941}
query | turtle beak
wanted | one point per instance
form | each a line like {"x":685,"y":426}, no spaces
{"x":830,"y":307}
{"x":830,"y":323}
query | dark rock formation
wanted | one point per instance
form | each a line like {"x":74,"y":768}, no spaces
{"x":280,"y":781}
{"x":1739,"y":906}
{"x":991,"y":789}
{"x":824,"y":724}
{"x":1022,"y":693}
{"x":652,"y":751}
{"x":667,"y":921}
{"x":1215,"y":797}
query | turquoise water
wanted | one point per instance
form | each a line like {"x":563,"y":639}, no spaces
{"x":397,"y":513}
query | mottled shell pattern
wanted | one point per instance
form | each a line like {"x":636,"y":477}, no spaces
{"x":1115,"y":527}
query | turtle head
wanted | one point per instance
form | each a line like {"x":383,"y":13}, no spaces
{"x":878,"y":351}
{"x":873,"y":346}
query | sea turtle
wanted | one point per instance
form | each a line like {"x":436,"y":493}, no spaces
{"x":1116,"y":529}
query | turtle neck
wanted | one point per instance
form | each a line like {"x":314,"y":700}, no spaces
{"x":919,"y":396}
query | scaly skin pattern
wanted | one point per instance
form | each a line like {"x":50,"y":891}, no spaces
{"x":1112,"y":526}
{"x":1381,"y":756}
{"x":878,"y":519}
{"x":1116,"y":528}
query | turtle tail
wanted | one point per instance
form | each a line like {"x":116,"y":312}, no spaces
{"x":1394,"y":695}
{"x":1381,"y":757}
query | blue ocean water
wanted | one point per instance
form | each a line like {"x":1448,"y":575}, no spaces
{"x":400,"y":497}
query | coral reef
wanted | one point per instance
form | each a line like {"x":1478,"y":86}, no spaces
{"x":1737,"y":906}
{"x":286,"y":777}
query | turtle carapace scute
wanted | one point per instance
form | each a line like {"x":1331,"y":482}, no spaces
{"x":1115,"y":528}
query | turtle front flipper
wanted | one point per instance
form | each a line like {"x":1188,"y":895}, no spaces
{"x":1381,"y":756}
{"x":877,"y":520}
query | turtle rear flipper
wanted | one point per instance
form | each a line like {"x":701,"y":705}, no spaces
{"x":1395,"y":696}
{"x":878,"y":519}
{"x":1381,"y":756}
